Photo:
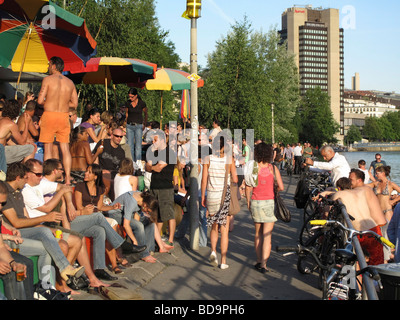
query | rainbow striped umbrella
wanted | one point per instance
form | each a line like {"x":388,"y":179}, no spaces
{"x":115,"y":70}
{"x":105,"y":70}
{"x":171,"y":79}
{"x":33,"y":31}
{"x":185,"y":105}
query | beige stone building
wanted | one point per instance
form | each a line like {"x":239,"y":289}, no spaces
{"x":316,"y":39}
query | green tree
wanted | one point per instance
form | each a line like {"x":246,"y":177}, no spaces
{"x":127,"y":29}
{"x":353,"y":134}
{"x":372,"y":129}
{"x":317,"y":123}
{"x":394,"y":120}
{"x":247,"y":72}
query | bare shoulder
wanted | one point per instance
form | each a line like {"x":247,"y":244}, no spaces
{"x":6,"y":122}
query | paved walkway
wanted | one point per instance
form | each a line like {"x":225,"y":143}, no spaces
{"x":186,"y":274}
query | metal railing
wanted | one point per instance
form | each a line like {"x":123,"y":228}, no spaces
{"x":368,"y":284}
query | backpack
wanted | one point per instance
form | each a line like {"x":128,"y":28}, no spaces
{"x":301,"y":194}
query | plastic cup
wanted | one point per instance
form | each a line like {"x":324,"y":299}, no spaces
{"x":20,"y":274}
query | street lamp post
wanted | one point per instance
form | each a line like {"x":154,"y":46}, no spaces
{"x":193,"y":11}
{"x":272,"y":124}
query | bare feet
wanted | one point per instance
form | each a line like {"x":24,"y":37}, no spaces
{"x":163,"y":250}
{"x":167,"y":246}
{"x":95,"y":282}
{"x":149,"y":259}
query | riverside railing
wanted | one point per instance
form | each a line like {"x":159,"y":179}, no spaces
{"x":368,"y":284}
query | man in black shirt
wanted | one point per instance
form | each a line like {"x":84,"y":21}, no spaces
{"x":112,"y":153}
{"x":110,"y":158}
{"x":161,"y":160}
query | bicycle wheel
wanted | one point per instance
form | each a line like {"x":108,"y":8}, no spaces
{"x":309,"y":209}
{"x":309,"y":232}
{"x":305,"y":261}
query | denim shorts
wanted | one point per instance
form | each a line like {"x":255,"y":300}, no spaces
{"x":262,"y":211}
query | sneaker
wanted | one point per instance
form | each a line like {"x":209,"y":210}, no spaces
{"x":224,"y":266}
{"x":213,"y":259}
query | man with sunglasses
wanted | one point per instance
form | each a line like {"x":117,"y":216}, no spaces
{"x":378,"y":162}
{"x":16,"y":215}
{"x":110,"y":157}
{"x":112,"y":153}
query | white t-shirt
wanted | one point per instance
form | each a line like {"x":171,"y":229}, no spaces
{"x":121,"y":185}
{"x":366,"y":180}
{"x":297,"y":151}
{"x":34,"y":196}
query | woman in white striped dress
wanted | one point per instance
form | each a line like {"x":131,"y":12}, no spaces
{"x":213,"y":180}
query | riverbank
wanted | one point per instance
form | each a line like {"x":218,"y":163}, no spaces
{"x":375,"y":147}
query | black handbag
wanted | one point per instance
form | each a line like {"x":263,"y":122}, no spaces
{"x":281,"y":211}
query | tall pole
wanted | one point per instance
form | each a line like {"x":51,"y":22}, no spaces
{"x":194,"y":143}
{"x":272,"y":124}
{"x":193,"y":9}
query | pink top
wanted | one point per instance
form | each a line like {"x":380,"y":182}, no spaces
{"x":265,"y":187}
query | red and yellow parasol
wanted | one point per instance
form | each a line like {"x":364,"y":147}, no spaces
{"x":33,"y":31}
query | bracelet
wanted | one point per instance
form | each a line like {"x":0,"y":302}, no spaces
{"x":11,"y":262}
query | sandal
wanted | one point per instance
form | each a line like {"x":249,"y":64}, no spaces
{"x":117,"y":270}
{"x":124,"y":263}
{"x":264,"y":270}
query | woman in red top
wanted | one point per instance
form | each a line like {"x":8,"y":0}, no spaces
{"x":260,"y":201}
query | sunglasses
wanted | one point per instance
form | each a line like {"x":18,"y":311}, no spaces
{"x":117,"y":136}
{"x":3,"y":203}
{"x":37,"y":174}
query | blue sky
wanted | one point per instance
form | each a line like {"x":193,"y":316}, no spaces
{"x":372,"y":32}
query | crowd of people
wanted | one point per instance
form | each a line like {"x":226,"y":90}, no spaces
{"x":123,"y":182}
{"x":84,"y":177}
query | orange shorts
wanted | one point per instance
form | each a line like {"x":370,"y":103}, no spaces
{"x":54,"y":125}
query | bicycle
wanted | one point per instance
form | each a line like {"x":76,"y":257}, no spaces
{"x":324,"y":240}
{"x":317,"y":183}
{"x":340,"y":281}
{"x":323,"y":208}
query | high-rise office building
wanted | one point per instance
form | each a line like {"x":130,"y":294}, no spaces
{"x":314,"y":36}
{"x":355,"y":82}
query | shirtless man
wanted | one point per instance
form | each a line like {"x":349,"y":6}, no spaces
{"x":13,"y":153}
{"x":57,"y":95}
{"x":33,"y":132}
{"x":363,"y":205}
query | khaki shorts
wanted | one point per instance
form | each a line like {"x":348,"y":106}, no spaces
{"x":166,"y":202}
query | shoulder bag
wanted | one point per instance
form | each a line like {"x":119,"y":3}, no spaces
{"x":234,"y":205}
{"x":281,"y":211}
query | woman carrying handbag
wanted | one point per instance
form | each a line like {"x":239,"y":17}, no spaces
{"x":213,"y":181}
{"x":259,"y":179}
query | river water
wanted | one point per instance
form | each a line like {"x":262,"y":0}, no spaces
{"x":392,"y":159}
